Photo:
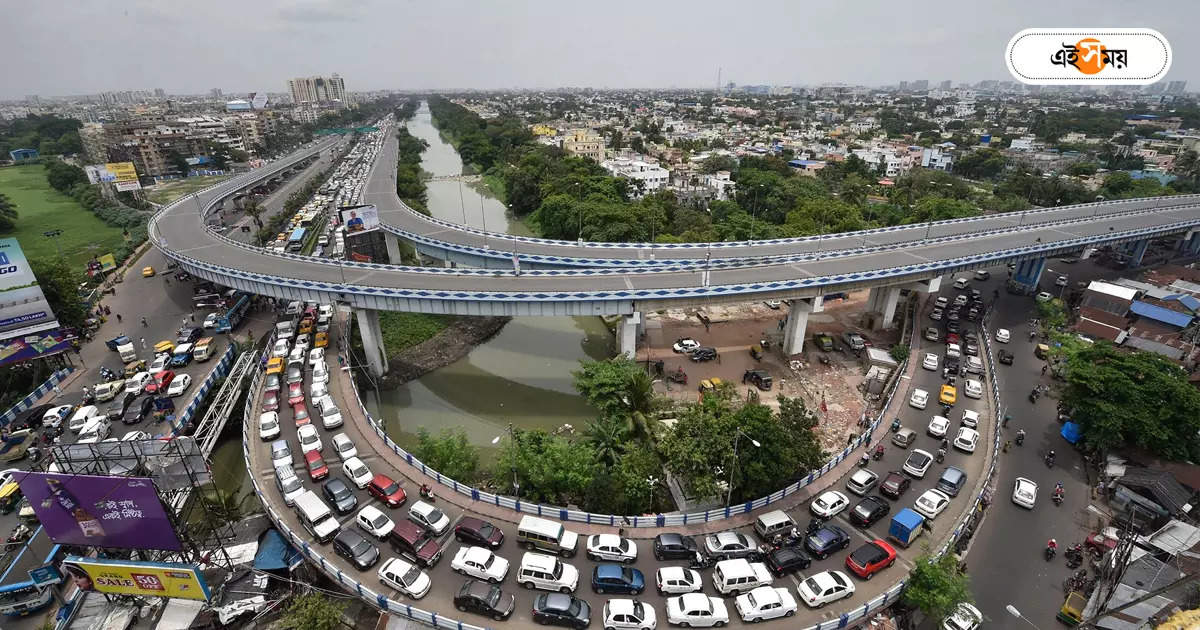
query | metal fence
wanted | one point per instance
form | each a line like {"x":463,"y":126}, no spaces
{"x":28,"y":401}
{"x":215,"y":375}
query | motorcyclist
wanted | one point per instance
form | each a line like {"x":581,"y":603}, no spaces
{"x":1020,"y":437}
{"x":941,"y":455}
{"x":426,"y":491}
{"x":1052,"y":544}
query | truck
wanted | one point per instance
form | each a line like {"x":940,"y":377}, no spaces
{"x":127,"y":352}
{"x":16,"y":444}
{"x":906,"y":527}
{"x":117,"y":341}
{"x":823,"y":341}
{"x":203,"y":349}
{"x":183,"y":355}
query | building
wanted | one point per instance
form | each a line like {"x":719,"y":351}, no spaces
{"x":935,"y":159}
{"x":20,"y":155}
{"x":237,"y":106}
{"x":1104,"y":310}
{"x":215,"y":94}
{"x":95,"y":143}
{"x":652,"y":176}
{"x":313,"y":91}
{"x":584,"y":143}
{"x":1176,"y":87}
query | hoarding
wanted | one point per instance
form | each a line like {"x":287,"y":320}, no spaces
{"x":23,"y":307}
{"x":359,"y":219}
{"x":34,"y":346}
{"x":107,"y":262}
{"x":145,"y":579}
{"x":99,"y":511}
{"x":127,"y":186}
{"x":119,"y":172}
{"x":123,"y":171}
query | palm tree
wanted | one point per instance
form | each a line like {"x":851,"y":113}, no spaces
{"x":8,"y":213}
{"x":607,"y":436}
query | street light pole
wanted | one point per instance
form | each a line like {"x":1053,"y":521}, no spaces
{"x":512,"y":436}
{"x":1012,"y":610}
{"x":651,"y":480}
{"x":483,"y":217}
{"x":736,"y":437}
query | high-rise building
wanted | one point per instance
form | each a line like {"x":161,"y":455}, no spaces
{"x":1176,"y":87}
{"x":922,"y":84}
{"x":318,"y":90}
{"x":903,"y":86}
{"x":160,"y":93}
{"x":216,"y":94}
{"x":945,"y":84}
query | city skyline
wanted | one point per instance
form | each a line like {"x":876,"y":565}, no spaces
{"x":536,"y":45}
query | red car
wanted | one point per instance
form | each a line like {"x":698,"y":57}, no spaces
{"x":386,"y":489}
{"x":317,"y":469}
{"x":952,"y":338}
{"x":270,"y":401}
{"x":871,"y":558}
{"x":161,"y":381}
{"x":295,"y":393}
{"x":300,"y":414}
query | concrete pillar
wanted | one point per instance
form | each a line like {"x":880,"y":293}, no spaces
{"x":1193,"y":244}
{"x":890,"y":300}
{"x":627,"y":334}
{"x":932,"y":285}
{"x":1138,"y":252}
{"x":372,"y":341}
{"x":1029,"y":272}
{"x":393,"y":248}
{"x":796,"y":325}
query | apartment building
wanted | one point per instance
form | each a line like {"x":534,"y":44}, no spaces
{"x":584,"y":143}
{"x":318,"y":90}
{"x":652,"y":176}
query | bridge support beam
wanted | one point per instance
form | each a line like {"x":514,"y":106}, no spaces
{"x":372,"y":341}
{"x":1137,"y":252}
{"x":1029,"y":273}
{"x":932,"y":285}
{"x":883,"y":300}
{"x":796,"y":325}
{"x":627,"y":334}
{"x":393,"y":248}
{"x":1191,"y":244}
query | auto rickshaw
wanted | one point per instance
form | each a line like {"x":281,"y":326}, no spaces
{"x":133,"y":367}
{"x":756,"y":351}
{"x":1071,"y":612}
{"x":1041,"y":351}
{"x":10,"y":496}
{"x":709,"y":385}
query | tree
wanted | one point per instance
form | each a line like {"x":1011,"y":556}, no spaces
{"x":8,"y":214}
{"x":615,"y":387}
{"x":1053,"y":314}
{"x":607,"y":438}
{"x":936,"y":586}
{"x":62,"y":176}
{"x":59,"y":283}
{"x":549,"y":468}
{"x":313,"y":611}
{"x":450,"y":452}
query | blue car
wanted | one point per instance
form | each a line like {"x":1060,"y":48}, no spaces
{"x":614,"y":578}
{"x":181,"y":359}
{"x":827,"y":540}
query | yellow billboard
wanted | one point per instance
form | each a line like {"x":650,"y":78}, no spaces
{"x":107,"y":262}
{"x":144,"y":579}
{"x":123,"y":171}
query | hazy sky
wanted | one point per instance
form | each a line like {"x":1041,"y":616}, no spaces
{"x":55,"y":47}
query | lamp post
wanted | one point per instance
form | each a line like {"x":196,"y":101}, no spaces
{"x":483,"y":217}
{"x":1012,"y":610}
{"x":512,"y":436}
{"x":737,"y":435}
{"x":650,"y":481}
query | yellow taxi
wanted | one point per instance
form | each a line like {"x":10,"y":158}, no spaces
{"x":709,"y":385}
{"x":306,"y":326}
{"x":147,"y":272}
{"x":321,"y":341}
{"x":164,"y":346}
{"x":948,"y":395}
{"x":275,"y":366}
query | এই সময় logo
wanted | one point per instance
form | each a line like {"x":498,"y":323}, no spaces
{"x":1089,"y":56}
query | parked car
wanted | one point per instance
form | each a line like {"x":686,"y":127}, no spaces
{"x":871,"y":558}
{"x":824,"y":587}
{"x":765,"y":602}
{"x":484,"y":599}
{"x":614,"y":578}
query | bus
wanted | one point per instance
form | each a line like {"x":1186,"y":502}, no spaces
{"x":233,"y":317}
{"x":296,"y":240}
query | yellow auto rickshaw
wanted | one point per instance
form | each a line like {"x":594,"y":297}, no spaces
{"x":1071,"y":612}
{"x":164,"y":346}
{"x":10,"y":496}
{"x":709,"y":385}
{"x":756,"y":351}
{"x":1041,"y":351}
{"x":133,"y":367}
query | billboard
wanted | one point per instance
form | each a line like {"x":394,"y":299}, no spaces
{"x":118,"y":172}
{"x":127,"y":186}
{"x":23,"y":307}
{"x":41,"y":344}
{"x":107,"y":262}
{"x":358,"y":219}
{"x":123,"y":171}
{"x":129,"y":577}
{"x":99,"y":511}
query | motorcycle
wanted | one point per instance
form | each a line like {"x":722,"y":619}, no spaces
{"x":1021,"y":437}
{"x":1058,"y":497}
{"x":1049,"y":553}
{"x":700,"y":562}
{"x":941,"y":455}
{"x":426,"y":493}
{"x":895,"y":425}
{"x":864,"y":460}
{"x":878,"y":452}
{"x":1074,"y":556}
{"x":1049,"y":461}
{"x":1033,"y":395}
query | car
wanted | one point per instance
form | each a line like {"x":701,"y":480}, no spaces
{"x":862,"y":481}
{"x":729,"y":545}
{"x":137,"y":383}
{"x":300,"y":415}
{"x":55,"y":416}
{"x":1061,"y":281}
{"x":960,"y":300}
{"x":268,"y":425}
{"x":829,"y":504}
{"x":357,"y":472}
{"x":759,"y":378}
{"x":787,"y":560}
{"x":309,"y":439}
{"x":982,"y":274}
{"x":281,"y":454}
{"x":115,"y":411}
{"x":971,"y":348}
{"x":302,"y":343}
{"x":941,"y":302}
{"x":973,"y":365}
{"x":295,"y":393}
{"x":339,"y":494}
{"x":355,"y":547}
{"x":558,"y":609}
{"x":275,"y":368}
{"x":179,"y":385}
{"x":320,"y":373}
{"x":538,"y":570}
{"x":973,"y":388}
{"x":936,"y":314}
{"x":674,"y":547}
{"x":280,"y":349}
{"x":271,"y":383}
{"x":765,"y":602}
{"x":703,"y":353}
{"x":774,"y":304}
{"x":315,"y":357}
{"x":938,"y":426}
{"x":614,"y":578}
{"x":970,"y":418}
{"x":948,"y":395}
{"x":344,"y":447}
{"x":918,"y":463}
{"x":485,"y":599}
{"x":824,"y":587}
{"x":270,"y":400}
{"x":931,"y":503}
{"x":1005,"y":357}
{"x":611,"y":548}
{"x":137,"y":411}
{"x":471,"y":530}
{"x":919,"y":398}
{"x":317,"y":470}
{"x":1002,"y":335}
{"x":160,"y":363}
{"x":148,"y":272}
{"x":405,"y":577}
{"x":480,"y":563}
{"x":628,"y":614}
{"x":964,"y":617}
{"x":415,"y":543}
{"x":331,"y":418}
{"x":387,"y":490}
{"x":211,"y":320}
{"x":685,"y":345}
{"x":966,"y":440}
{"x":871,"y":558}
{"x":429,"y":517}
{"x":1025,"y":492}
{"x":932,"y":334}
{"x":854,"y":340}
{"x":826,"y":540}
{"x":952,"y":326}
{"x":371,"y":520}
{"x":868,"y":511}
{"x":894,"y":485}
{"x":930,"y":362}
{"x":697,"y":610}
{"x":676,"y":580}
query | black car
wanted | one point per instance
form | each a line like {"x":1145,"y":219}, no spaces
{"x":952,"y":365}
{"x":786,"y":560}
{"x":354,"y":547}
{"x":895,"y":485}
{"x":338,"y":493}
{"x":760,"y":378}
{"x":827,"y":540}
{"x":138,"y":410}
{"x":189,"y":335}
{"x":480,"y":533}
{"x":869,"y":511}
{"x":703,"y":353}
{"x":116,"y":410}
{"x":557,"y":609}
{"x":952,"y":326}
{"x":484,"y":599}
{"x":1005,"y":357}
{"x":674,"y":547}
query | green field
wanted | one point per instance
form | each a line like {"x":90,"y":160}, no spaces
{"x":169,"y":191}
{"x":41,"y":208}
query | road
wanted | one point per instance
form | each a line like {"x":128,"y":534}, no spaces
{"x":274,"y":202}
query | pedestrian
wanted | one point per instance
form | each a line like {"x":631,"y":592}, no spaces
{"x":1044,"y":370}
{"x":118,"y":318}
{"x":193,"y":316}
{"x":850,"y":439}
{"x":107,"y":311}
{"x":57,"y":390}
{"x":1007,"y":443}
{"x":167,"y":279}
{"x":143,"y":343}
{"x":145,"y":322}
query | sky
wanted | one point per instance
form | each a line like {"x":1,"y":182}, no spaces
{"x":62,"y":47}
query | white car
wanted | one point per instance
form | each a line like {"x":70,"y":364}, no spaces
{"x":829,"y":504}
{"x":159,"y":364}
{"x":930,"y":362}
{"x":309,"y":440}
{"x":1002,"y":335}
{"x":344,"y":447}
{"x":320,"y":373}
{"x":697,"y":610}
{"x":941,"y":302}
{"x":966,"y":440}
{"x":1025,"y":492}
{"x":357,"y":472}
{"x":53,"y":418}
{"x":918,"y":463}
{"x":970,"y":418}
{"x":429,"y":517}
{"x":824,"y":587}
{"x":135,"y":436}
{"x":373,"y":521}
{"x":629,"y":614}
{"x":211,"y":320}
{"x":480,"y":563}
{"x":315,"y":356}
{"x":765,"y":602}
{"x":685,"y":345}
{"x":1043,"y":297}
{"x":137,"y":383}
{"x":179,"y":385}
{"x":295,"y":356}
{"x":938,"y":426}
{"x":303,"y":344}
{"x":964,"y":617}
{"x":612,"y":548}
{"x":1061,"y":281}
{"x":973,"y":388}
{"x":677,"y":580}
{"x":932,"y":503}
{"x":331,"y":418}
{"x":280,"y":349}
{"x":405,"y":578}
{"x":919,"y":398}
{"x":268,"y":425}
{"x":318,"y":390}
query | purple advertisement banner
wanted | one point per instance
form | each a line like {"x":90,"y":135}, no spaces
{"x":98,"y":511}
{"x":32,"y":346}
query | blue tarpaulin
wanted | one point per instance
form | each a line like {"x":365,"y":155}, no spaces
{"x":275,"y":553}
{"x":1160,"y":314}
{"x":1072,"y":432}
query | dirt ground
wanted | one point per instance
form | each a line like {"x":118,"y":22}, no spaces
{"x":734,"y":328}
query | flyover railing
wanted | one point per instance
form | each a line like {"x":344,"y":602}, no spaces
{"x":28,"y":401}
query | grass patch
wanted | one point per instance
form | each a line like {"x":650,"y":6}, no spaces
{"x":405,"y":330}
{"x":169,"y":191}
{"x":493,"y":185}
{"x":41,"y":208}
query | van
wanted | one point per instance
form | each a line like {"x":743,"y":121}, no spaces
{"x":982,"y":274}
{"x":539,"y":533}
{"x":203,"y":349}
{"x":98,"y":429}
{"x":953,"y":350}
{"x":547,"y":573}
{"x":281,"y":454}
{"x":773,"y":523}
{"x":288,"y":484}
{"x":952,"y":481}
{"x":315,"y":516}
{"x":737,"y":576}
{"x":960,"y":283}
{"x":904,"y":438}
{"x":127,"y":352}
{"x":283,"y":330}
{"x":82,"y":417}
